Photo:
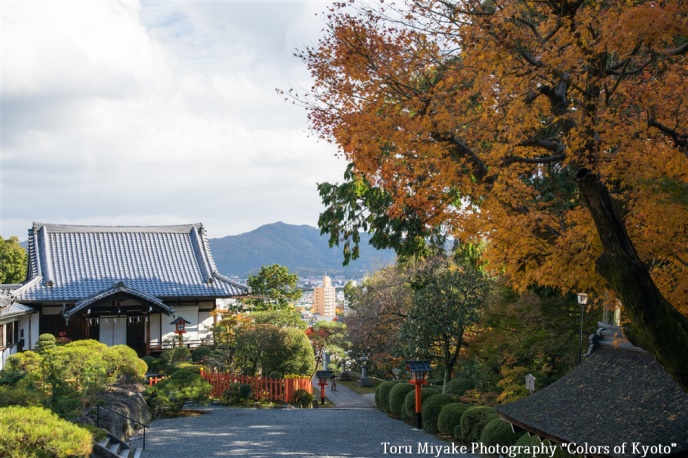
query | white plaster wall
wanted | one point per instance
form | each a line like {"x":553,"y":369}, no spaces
{"x":205,"y":330}
{"x":155,"y":327}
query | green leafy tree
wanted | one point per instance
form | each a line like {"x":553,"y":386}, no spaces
{"x":331,"y":336}
{"x":276,"y":287}
{"x":38,"y":432}
{"x":446,"y":304}
{"x":379,"y":307}
{"x":283,"y":318}
{"x":13,"y":261}
{"x":300,"y":358}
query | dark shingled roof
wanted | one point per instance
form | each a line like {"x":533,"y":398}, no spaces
{"x":619,"y":394}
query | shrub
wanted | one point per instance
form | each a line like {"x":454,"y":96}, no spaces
{"x":122,"y":362}
{"x":176,"y":355}
{"x":31,"y":431}
{"x":274,"y":374}
{"x":28,"y":362}
{"x":409,"y":411}
{"x":474,"y":420}
{"x":397,"y":396}
{"x":303,"y":398}
{"x":450,"y":417}
{"x":184,"y":365}
{"x":382,"y":394}
{"x":172,"y":392}
{"x":20,"y":394}
{"x":45,"y":343}
{"x":245,"y":391}
{"x":200,"y":354}
{"x":231,"y":394}
{"x":432,"y":408}
{"x":529,"y":441}
{"x":498,"y":431}
{"x":150,"y":361}
{"x":459,"y":386}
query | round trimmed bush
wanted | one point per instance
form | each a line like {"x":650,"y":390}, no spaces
{"x":46,"y":342}
{"x":409,"y":411}
{"x":245,"y":391}
{"x":498,"y":431}
{"x":382,"y":394}
{"x":432,"y":408}
{"x":450,"y":417}
{"x":30,"y":431}
{"x":527,"y":440}
{"x":303,"y":398}
{"x":200,"y":354}
{"x":149,"y":360}
{"x":397,"y":396}
{"x":459,"y":386}
{"x":474,"y":420}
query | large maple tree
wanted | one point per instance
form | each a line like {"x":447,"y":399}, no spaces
{"x":557,"y":131}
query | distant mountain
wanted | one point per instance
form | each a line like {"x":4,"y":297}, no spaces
{"x":300,"y":248}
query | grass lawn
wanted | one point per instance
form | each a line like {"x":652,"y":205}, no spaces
{"x":353,"y":384}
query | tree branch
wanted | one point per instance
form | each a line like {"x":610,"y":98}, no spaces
{"x":683,"y":49}
{"x":533,"y":160}
{"x":680,"y":140}
{"x":549,"y":145}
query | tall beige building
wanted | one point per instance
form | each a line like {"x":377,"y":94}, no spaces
{"x":324,"y":298}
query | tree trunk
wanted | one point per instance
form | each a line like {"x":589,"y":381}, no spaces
{"x":655,"y":324}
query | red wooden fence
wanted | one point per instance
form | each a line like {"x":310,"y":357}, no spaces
{"x":273,"y":389}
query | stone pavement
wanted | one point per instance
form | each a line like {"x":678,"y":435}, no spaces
{"x":345,"y":397}
{"x":351,"y":429}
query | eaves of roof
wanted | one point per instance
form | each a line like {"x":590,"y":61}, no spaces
{"x":119,"y":288}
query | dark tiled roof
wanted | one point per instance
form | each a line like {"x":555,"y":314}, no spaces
{"x":615,"y":396}
{"x":119,"y":288}
{"x":75,"y":262}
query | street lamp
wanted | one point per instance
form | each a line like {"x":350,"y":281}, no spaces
{"x":582,"y":301}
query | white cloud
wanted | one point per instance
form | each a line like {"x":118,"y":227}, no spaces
{"x":116,"y":112}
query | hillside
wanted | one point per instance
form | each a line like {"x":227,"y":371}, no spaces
{"x":300,"y":248}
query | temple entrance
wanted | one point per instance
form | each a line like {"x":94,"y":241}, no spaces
{"x":136,"y":335}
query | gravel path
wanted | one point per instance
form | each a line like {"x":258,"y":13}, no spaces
{"x":229,"y":431}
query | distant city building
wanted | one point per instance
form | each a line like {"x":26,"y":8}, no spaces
{"x":324,"y":298}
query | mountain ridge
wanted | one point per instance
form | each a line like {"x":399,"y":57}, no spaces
{"x":301,"y":248}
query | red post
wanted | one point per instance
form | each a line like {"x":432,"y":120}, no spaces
{"x":323,"y":384}
{"x":419,"y":403}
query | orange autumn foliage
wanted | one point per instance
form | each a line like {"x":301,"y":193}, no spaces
{"x":477,"y":115}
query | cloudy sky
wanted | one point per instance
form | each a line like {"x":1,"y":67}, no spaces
{"x":157,"y":112}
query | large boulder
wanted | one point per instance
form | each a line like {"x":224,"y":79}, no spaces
{"x":125,"y":400}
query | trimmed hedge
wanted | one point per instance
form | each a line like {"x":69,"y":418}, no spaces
{"x":459,"y":386}
{"x":473,"y":422}
{"x":397,"y":396}
{"x":409,"y":411}
{"x":31,"y":432}
{"x":450,"y":417}
{"x":382,"y":394}
{"x":432,"y":408}
{"x":498,"y":431}
{"x":527,"y":440}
